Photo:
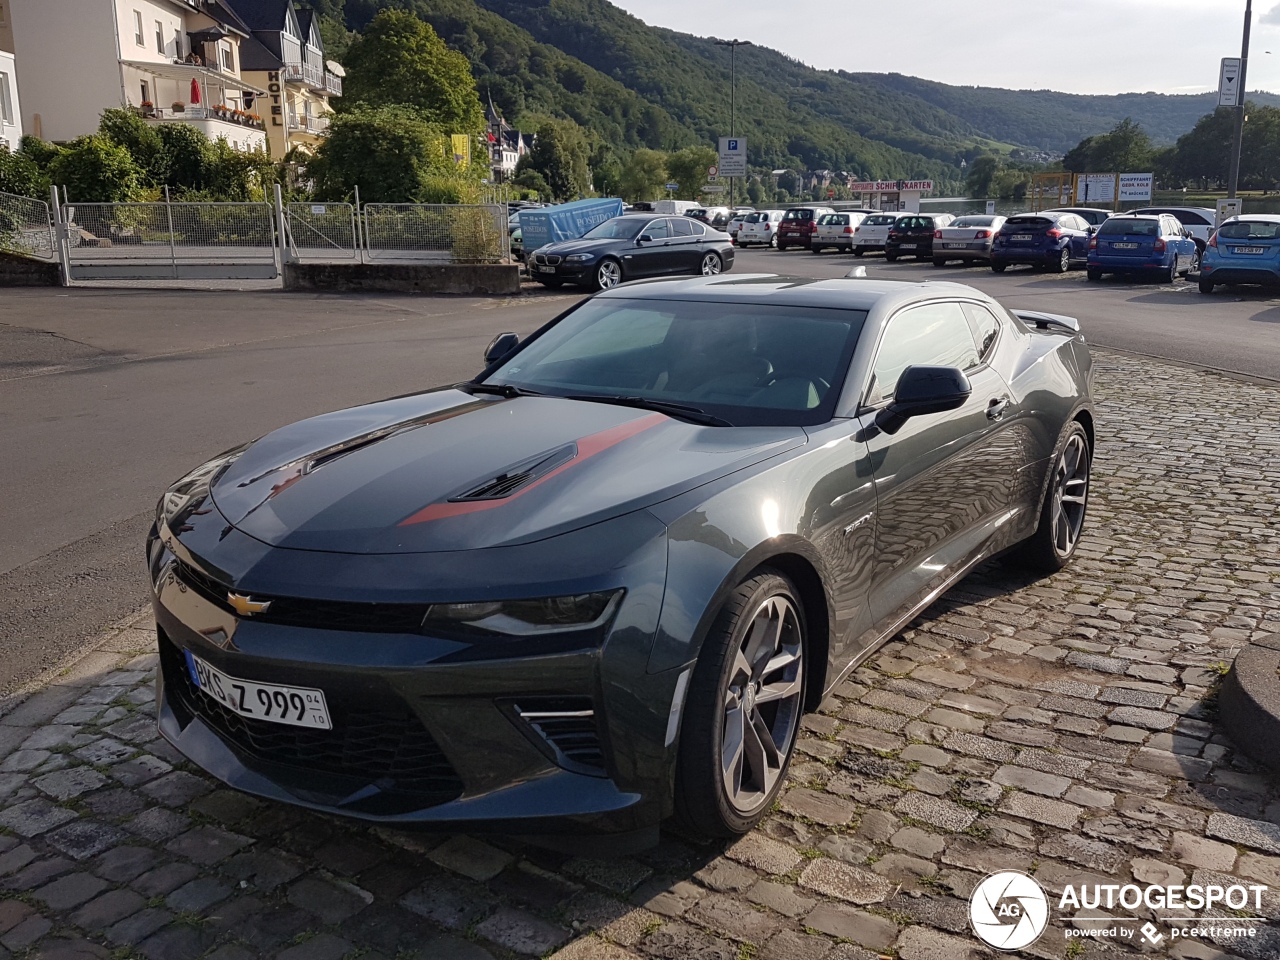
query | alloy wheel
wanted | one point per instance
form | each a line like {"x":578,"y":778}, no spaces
{"x":1070,"y":495}
{"x":762,"y":704}
{"x":608,"y":274}
{"x":1195,"y":262}
{"x":1064,"y":261}
{"x":711,"y":265}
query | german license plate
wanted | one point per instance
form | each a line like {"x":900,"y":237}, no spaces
{"x":906,"y":246}
{"x":1022,"y":236}
{"x":955,"y":246}
{"x":1248,"y":249}
{"x":546,"y":269}
{"x":1125,"y":246}
{"x":295,"y":706}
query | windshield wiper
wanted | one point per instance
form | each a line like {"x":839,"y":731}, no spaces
{"x":499,"y":389}
{"x":683,"y":411}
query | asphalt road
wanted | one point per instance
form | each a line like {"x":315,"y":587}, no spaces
{"x":108,"y":395}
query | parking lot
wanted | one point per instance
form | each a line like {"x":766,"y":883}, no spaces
{"x":1062,"y":726}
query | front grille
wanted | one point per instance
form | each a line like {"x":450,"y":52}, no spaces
{"x":568,"y":726}
{"x":547,"y":260}
{"x":388,"y":747}
{"x":318,"y":614}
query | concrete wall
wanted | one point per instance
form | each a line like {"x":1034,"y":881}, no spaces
{"x":21,"y":272}
{"x":68,"y":70}
{"x":10,"y":123}
{"x":458,"y":278}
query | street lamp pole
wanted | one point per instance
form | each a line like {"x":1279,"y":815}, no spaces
{"x":733,"y":46}
{"x":1237,"y":141}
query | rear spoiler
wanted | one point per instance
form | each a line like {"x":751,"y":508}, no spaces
{"x":1046,"y":321}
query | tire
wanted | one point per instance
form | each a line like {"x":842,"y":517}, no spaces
{"x":998,"y":267}
{"x":1066,"y":502}
{"x":608,"y":274}
{"x":773,"y":241}
{"x":1194,"y":266}
{"x":857,"y":251}
{"x":1093,"y":275}
{"x":1206,"y":286}
{"x":1063,"y":263}
{"x":710,"y":801}
{"x":939,"y":262}
{"x":712,"y":265}
{"x":817,"y":250}
{"x":890,"y":257}
{"x":1173,"y":269}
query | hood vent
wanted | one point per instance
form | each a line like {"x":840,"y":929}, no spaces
{"x":518,"y":476}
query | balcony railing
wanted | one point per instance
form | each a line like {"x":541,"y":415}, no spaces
{"x":313,"y":76}
{"x":203,"y":113}
{"x":315,"y":125}
{"x":332,"y":84}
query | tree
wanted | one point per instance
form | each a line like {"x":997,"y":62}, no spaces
{"x":533,"y":180}
{"x":400,"y":59}
{"x":982,"y":174}
{"x":643,"y":175}
{"x":1125,"y":148}
{"x":688,"y":167}
{"x":606,"y":171}
{"x":129,"y":130}
{"x":394,"y":156}
{"x":96,"y":170}
{"x":560,"y":154}
{"x":187,"y":157}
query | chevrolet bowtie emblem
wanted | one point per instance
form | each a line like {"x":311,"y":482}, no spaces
{"x":247,"y":606}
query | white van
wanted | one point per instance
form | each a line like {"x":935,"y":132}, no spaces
{"x":673,"y":208}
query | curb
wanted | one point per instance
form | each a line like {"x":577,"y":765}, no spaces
{"x":1249,"y":704}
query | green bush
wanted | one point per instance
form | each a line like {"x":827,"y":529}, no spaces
{"x":20,"y":175}
{"x":96,"y":170}
{"x":141,"y":139}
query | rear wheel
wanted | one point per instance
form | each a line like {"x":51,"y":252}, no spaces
{"x":712,"y":265}
{"x":997,"y":267}
{"x":742,"y":710}
{"x":1206,"y":286}
{"x":1093,"y":274}
{"x":1194,"y":266}
{"x":1063,"y":263}
{"x":857,"y":251}
{"x":939,"y":262}
{"x":890,"y":257}
{"x":1054,"y":543}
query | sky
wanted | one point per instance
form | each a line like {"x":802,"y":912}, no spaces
{"x":1084,"y":46}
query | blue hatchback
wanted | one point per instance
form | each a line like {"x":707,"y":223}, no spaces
{"x":1154,"y":245}
{"x":1244,"y":250}
{"x":1052,"y":240}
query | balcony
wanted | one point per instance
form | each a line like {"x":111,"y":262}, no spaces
{"x":193,"y":113}
{"x":313,"y":76}
{"x":332,"y":84}
{"x":313,"y":125}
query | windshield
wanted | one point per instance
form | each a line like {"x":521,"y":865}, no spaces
{"x":1250,"y":230}
{"x":974,"y":222}
{"x":750,"y":364}
{"x":618,"y":229}
{"x":798,"y":215}
{"x":1117,"y":226}
{"x":880,"y":220}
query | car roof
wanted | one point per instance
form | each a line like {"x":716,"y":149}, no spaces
{"x":765,"y":288}
{"x":1256,"y":217}
{"x":1159,"y":206}
{"x":1134,"y":216}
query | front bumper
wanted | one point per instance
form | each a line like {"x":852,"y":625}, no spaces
{"x":563,"y":272}
{"x":428,"y":732}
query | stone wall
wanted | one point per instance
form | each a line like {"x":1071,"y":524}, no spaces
{"x":458,"y":278}
{"x":22,"y":272}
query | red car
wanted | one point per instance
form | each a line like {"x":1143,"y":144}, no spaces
{"x":798,"y":226}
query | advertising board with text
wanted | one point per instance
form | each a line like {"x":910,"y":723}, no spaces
{"x":733,"y":157}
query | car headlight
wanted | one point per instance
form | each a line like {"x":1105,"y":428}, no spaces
{"x":185,"y":497}
{"x":523,"y":618}
{"x":577,"y":258}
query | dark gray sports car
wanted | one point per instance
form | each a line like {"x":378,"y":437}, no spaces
{"x":598,"y":585}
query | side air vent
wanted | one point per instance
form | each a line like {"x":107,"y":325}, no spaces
{"x":518,"y":476}
{"x":568,"y":726}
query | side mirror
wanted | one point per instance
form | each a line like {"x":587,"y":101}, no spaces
{"x":924,"y":390}
{"x":499,"y":347}
{"x":643,"y":238}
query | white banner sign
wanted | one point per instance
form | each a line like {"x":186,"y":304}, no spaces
{"x":1096,"y":188}
{"x":733,"y":157}
{"x":1229,"y":82}
{"x":890,"y":186}
{"x":1136,"y":186}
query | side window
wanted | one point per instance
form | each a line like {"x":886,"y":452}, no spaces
{"x":933,"y":334}
{"x":696,"y":229}
{"x":985,"y":326}
{"x":657,"y":229}
{"x":681,"y":227}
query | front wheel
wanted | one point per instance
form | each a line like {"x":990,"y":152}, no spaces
{"x":1173,"y":269}
{"x":1054,"y":543}
{"x":1194,"y":265}
{"x":712,"y":265}
{"x":552,"y":284}
{"x":608,"y":274}
{"x":742,"y":710}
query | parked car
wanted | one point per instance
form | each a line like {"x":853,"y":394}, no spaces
{"x":1198,"y":220}
{"x":1245,"y":249}
{"x":576,"y":593}
{"x":630,"y":247}
{"x":517,"y":244}
{"x":760,"y":228}
{"x":1154,"y":246}
{"x":717,"y":217}
{"x":835,"y":231}
{"x":1090,"y":215}
{"x":798,"y":226}
{"x":734,"y":226}
{"x":870,"y":235}
{"x":1046,"y":241}
{"x":966,"y":238}
{"x":912,"y":235}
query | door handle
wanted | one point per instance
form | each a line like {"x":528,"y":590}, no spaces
{"x":997,"y":407}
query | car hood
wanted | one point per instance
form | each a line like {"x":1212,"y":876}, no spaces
{"x":446,"y":470}
{"x":563,"y":248}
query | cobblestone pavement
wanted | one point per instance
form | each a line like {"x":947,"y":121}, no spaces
{"x":1063,"y":727}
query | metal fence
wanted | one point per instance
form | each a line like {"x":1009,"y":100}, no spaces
{"x":170,"y":241}
{"x":26,"y":227}
{"x":447,"y":233}
{"x":321,"y":232}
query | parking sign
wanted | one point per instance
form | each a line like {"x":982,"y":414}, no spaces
{"x":733,"y":157}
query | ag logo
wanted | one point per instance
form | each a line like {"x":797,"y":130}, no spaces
{"x":1009,"y":910}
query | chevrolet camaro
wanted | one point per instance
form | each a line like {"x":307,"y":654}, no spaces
{"x":598,"y":585}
